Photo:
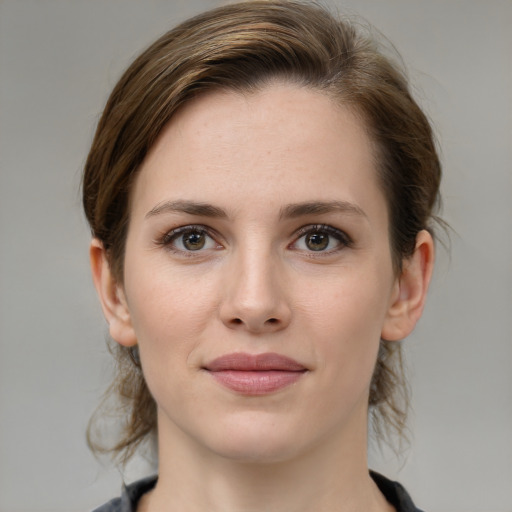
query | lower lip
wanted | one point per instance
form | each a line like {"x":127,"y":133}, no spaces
{"x":256,"y":382}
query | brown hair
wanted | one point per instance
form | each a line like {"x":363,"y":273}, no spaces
{"x":243,"y":47}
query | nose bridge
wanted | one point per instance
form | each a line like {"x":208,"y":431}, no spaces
{"x":254,"y":297}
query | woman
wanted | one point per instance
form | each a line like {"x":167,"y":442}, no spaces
{"x":260,"y":191}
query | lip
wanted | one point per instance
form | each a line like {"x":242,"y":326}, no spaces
{"x":255,"y":374}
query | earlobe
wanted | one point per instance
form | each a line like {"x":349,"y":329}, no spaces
{"x":410,"y":292}
{"x":111,"y":295}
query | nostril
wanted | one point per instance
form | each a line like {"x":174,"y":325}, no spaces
{"x":255,"y":324}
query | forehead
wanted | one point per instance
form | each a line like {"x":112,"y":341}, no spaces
{"x":283,"y":140}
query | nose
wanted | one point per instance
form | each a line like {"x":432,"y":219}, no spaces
{"x":255,"y":298}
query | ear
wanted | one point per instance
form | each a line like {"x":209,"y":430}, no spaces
{"x":112,"y":297}
{"x":410,"y":292}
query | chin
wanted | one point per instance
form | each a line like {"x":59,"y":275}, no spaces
{"x":255,"y":451}
{"x":255,"y":440}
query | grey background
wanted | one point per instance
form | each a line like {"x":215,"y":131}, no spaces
{"x":58,"y":61}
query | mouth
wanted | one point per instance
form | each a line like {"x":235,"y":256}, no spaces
{"x":255,"y":374}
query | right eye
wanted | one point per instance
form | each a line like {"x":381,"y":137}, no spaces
{"x":189,"y":239}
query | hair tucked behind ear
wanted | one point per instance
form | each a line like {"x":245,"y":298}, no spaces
{"x":389,"y":392}
{"x":243,"y":47}
{"x":127,"y":398}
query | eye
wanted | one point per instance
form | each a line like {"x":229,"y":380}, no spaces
{"x":189,"y":239}
{"x":321,"y":238}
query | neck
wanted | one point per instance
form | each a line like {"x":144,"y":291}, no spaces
{"x":332,"y":476}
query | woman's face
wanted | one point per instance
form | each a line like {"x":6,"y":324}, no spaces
{"x":258,"y":273}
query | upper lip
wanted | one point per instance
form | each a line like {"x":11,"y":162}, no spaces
{"x":240,"y":361}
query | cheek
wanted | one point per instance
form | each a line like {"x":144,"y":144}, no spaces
{"x":169,"y":318}
{"x":353,"y":305}
{"x":169,"y":310}
{"x":347,"y":319}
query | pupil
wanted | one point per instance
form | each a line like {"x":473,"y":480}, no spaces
{"x":317,"y":241}
{"x":194,"y":241}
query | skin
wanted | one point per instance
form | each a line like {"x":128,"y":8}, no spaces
{"x":257,"y":286}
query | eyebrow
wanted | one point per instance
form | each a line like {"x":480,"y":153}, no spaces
{"x":287,"y":212}
{"x":190,"y":207}
{"x":320,"y":207}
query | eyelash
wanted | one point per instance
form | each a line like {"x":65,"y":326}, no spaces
{"x":168,"y":238}
{"x":340,"y":236}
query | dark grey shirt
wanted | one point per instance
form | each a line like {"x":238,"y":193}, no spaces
{"x":131,"y":494}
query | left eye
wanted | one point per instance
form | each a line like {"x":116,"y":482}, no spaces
{"x":321,"y":239}
{"x":189,"y":239}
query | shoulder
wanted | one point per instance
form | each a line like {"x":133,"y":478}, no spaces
{"x":114,"y":505}
{"x":130,"y":496}
{"x":394,"y":493}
